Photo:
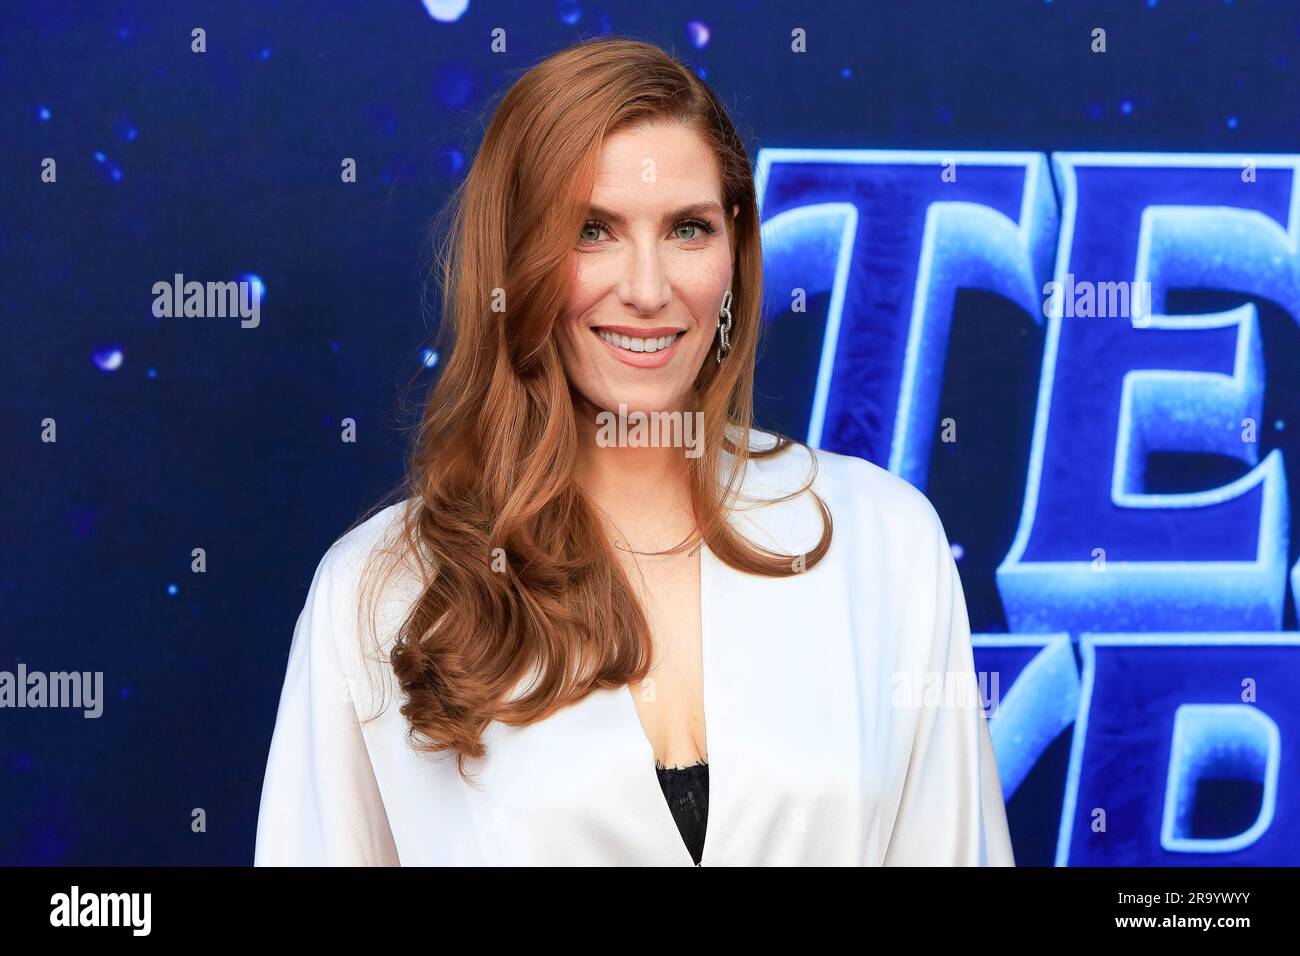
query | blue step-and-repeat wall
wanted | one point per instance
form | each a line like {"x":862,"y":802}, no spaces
{"x":1038,"y":258}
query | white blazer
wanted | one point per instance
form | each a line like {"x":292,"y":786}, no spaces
{"x":817,"y":753}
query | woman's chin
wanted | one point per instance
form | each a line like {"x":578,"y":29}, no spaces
{"x":641,"y":401}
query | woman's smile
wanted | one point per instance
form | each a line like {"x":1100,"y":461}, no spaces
{"x":640,"y":348}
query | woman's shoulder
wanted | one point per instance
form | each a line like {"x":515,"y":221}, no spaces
{"x":379,"y":532}
{"x":359,"y":597}
{"x":368,"y":569}
{"x":849,"y":484}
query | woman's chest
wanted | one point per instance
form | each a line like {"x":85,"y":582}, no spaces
{"x":670,"y":699}
{"x":800,"y":739}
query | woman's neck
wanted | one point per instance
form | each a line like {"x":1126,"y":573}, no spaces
{"x":644,"y":489}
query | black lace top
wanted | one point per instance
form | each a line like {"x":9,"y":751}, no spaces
{"x":687,"y":792}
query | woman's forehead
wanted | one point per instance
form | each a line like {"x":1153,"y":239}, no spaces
{"x":646,"y":156}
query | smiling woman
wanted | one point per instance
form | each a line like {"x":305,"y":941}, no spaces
{"x":615,"y":652}
{"x":665,"y":260}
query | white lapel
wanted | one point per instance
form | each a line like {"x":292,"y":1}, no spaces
{"x":780,"y":686}
{"x":781,"y":703}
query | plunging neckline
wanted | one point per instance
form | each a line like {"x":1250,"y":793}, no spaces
{"x":686,"y":790}
{"x":649,"y":777}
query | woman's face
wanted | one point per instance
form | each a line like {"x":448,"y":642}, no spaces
{"x":650,"y":267}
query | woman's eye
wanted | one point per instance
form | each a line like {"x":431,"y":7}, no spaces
{"x":688,"y":230}
{"x":590,"y":232}
{"x":694,"y":229}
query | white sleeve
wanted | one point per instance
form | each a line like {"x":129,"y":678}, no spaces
{"x":321,"y":804}
{"x":951,"y":812}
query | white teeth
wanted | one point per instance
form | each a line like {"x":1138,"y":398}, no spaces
{"x":636,"y":344}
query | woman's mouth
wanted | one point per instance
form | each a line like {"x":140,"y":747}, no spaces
{"x":647,"y":350}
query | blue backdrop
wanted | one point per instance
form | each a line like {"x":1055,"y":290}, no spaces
{"x":1115,"y":482}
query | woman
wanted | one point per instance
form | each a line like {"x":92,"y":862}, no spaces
{"x":639,"y":646}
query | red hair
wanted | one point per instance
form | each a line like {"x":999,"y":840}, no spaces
{"x":491,"y":471}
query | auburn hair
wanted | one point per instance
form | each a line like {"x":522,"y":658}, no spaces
{"x":516,"y":572}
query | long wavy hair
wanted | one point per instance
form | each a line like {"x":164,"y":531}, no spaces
{"x":517,"y":575}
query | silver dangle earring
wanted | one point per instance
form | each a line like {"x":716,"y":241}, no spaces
{"x":724,"y":327}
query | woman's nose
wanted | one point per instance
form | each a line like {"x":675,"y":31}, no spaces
{"x":644,"y":285}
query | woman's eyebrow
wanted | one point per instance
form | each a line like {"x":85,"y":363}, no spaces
{"x":694,"y":209}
